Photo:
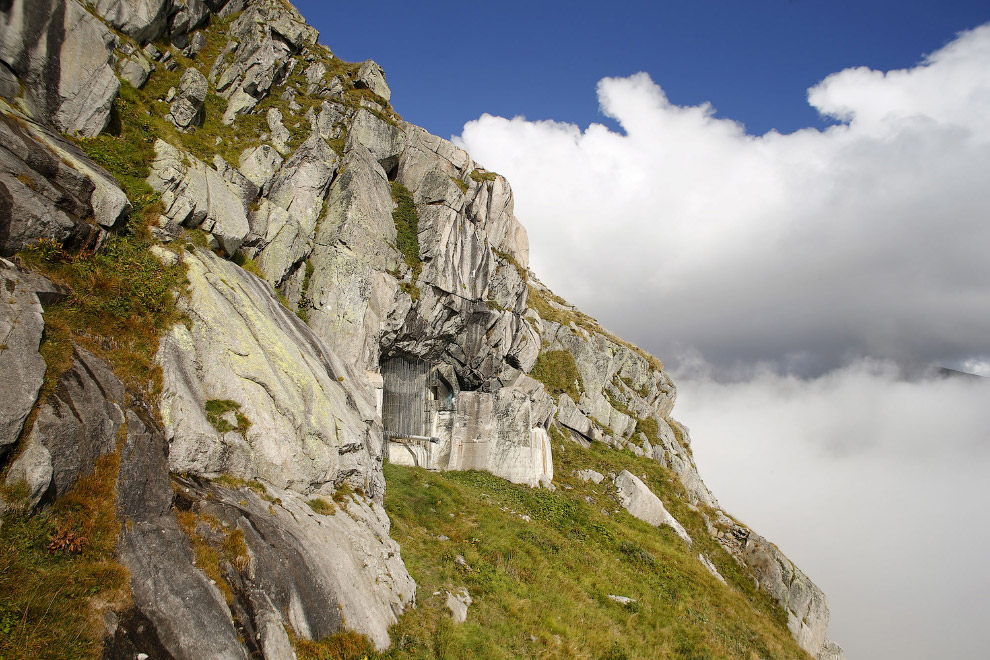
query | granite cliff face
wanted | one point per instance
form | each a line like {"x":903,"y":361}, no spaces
{"x":356,"y":290}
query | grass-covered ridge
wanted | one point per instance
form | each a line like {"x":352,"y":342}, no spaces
{"x":552,"y":307}
{"x":540,"y":567}
{"x":121,"y":299}
{"x":541,"y":586}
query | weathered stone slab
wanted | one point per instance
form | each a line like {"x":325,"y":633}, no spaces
{"x":636,"y":498}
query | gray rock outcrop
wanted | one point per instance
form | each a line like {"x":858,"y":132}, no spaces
{"x":371,"y":76}
{"x":62,"y":54}
{"x":259,"y":165}
{"x":196,"y":195}
{"x":805,"y":604}
{"x":186,"y":610}
{"x":636,"y":498}
{"x":186,"y":110}
{"x":23,"y":368}
{"x":279,"y":133}
{"x":134,"y":70}
{"x":265,"y":35}
{"x":49,"y":189}
{"x":76,"y":425}
{"x":308,"y":431}
{"x":316,"y":570}
{"x":141,"y":20}
{"x":283,"y":227}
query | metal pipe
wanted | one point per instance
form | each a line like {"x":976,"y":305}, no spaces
{"x":427,"y":438}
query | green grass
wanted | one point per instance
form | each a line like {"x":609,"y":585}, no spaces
{"x":126,"y":150}
{"x":321,"y":506}
{"x":480,"y":175}
{"x":217,"y":408}
{"x":505,"y":256}
{"x":558,"y":372}
{"x":406,"y":227}
{"x":541,"y":301}
{"x":534,"y":595}
{"x":248,"y":264}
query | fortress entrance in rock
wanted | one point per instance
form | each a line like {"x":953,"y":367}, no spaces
{"x":430,"y":422}
{"x":419,"y":403}
{"x":404,"y":398}
{"x":414,"y":393}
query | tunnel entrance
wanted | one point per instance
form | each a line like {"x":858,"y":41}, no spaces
{"x":419,"y":402}
{"x":404,"y":397}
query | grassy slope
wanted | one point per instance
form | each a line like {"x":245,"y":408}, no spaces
{"x":540,"y":587}
{"x":58,"y":574}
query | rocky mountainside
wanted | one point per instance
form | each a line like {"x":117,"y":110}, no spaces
{"x":239,"y":291}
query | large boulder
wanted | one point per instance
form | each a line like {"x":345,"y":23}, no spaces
{"x":190,"y":14}
{"x":186,"y":110}
{"x":371,"y":76}
{"x":259,"y":165}
{"x":141,"y":20}
{"x":304,"y":421}
{"x":383,"y":139}
{"x":351,"y":293}
{"x":637,"y":498}
{"x":673,"y":451}
{"x":263,"y":40}
{"x":50,"y":189}
{"x":62,"y":54}
{"x":134,"y":70}
{"x":284,"y":224}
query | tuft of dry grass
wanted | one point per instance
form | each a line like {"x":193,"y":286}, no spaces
{"x":121,"y":300}
{"x":58,"y":572}
{"x":345,"y":645}
{"x":321,"y":506}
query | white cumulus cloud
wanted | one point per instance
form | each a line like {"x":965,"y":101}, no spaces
{"x":868,"y":238}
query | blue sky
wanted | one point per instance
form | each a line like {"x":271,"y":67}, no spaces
{"x":449,"y":62}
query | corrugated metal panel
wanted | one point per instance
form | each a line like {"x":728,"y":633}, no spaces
{"x":404,"y":405}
